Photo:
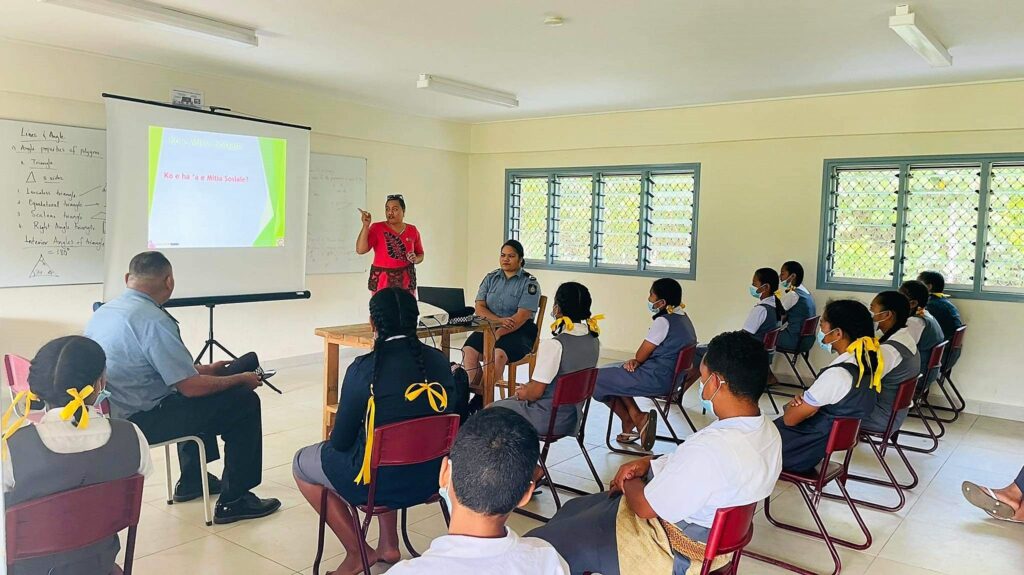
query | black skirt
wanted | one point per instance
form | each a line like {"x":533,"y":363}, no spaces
{"x":515,"y":345}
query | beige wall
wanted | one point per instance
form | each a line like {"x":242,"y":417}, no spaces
{"x":425,"y":159}
{"x":760,"y":197}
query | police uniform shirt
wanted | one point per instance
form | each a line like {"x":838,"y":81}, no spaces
{"x":504,"y":295}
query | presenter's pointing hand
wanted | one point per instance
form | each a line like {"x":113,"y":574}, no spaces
{"x":365,"y":216}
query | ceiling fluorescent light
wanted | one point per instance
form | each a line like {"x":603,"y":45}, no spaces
{"x":463,"y":90}
{"x":919,"y":37}
{"x":168,"y":18}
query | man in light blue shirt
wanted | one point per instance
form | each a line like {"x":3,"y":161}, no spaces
{"x":154,"y":384}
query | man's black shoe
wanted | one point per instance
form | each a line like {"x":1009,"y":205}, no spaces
{"x":183,"y":493}
{"x":247,"y":506}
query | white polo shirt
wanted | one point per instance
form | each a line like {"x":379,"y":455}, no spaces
{"x":549,"y":354}
{"x":731,"y":462}
{"x":659,"y":328}
{"x":790,"y":298}
{"x":509,"y":555}
{"x":757,"y":316}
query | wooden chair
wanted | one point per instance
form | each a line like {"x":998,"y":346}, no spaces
{"x":529,"y":359}
{"x":74,"y":519}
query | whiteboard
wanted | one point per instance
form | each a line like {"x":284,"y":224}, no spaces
{"x":337,"y":188}
{"x":52,"y":204}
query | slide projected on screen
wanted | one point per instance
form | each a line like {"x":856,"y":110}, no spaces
{"x":213,"y":190}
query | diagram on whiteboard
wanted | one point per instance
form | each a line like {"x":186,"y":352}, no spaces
{"x":53,"y":191}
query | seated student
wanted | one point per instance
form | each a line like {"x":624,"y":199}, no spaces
{"x":486,"y":476}
{"x":799,"y":306}
{"x":509,"y":295}
{"x":154,"y":384}
{"x":72,"y":446}
{"x":890,"y":311}
{"x":734,"y":461}
{"x":651,"y":371}
{"x":573,"y":347}
{"x":400,"y":379}
{"x":848,"y":387}
{"x":925,"y":330}
{"x":765,"y":316}
{"x":939,"y":305}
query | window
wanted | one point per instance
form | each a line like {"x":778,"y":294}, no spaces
{"x":886,"y":220}
{"x":623,"y":220}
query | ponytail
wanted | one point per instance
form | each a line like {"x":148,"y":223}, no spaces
{"x":573,"y":301}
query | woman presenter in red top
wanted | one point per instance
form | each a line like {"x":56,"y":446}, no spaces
{"x":396,"y":246}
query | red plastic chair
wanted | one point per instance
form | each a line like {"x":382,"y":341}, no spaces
{"x":807,"y":330}
{"x":731,"y":531}
{"x":921,"y":403}
{"x":880,"y":441}
{"x":16,"y":368}
{"x":571,"y":389}
{"x":953,"y":353}
{"x":843,"y":437}
{"x":76,"y":518}
{"x":663,"y":403}
{"x":404,"y":443}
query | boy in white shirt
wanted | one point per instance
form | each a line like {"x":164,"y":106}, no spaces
{"x":734,"y":461}
{"x":487,"y":475}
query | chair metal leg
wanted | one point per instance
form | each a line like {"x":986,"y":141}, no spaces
{"x":959,"y":397}
{"x":405,"y":534}
{"x":822,"y":534}
{"x":928,"y":435}
{"x":771,"y":398}
{"x":320,"y":532}
{"x":129,"y":551}
{"x":362,"y":536}
{"x":807,"y":360}
{"x":891,"y":482}
{"x":167,"y":467}
{"x":205,"y":481}
{"x":590,"y":464}
{"x":619,"y":450}
{"x":668,"y":425}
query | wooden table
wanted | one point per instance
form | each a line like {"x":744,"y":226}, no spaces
{"x":361,"y":336}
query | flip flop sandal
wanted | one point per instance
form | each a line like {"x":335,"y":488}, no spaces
{"x":984,"y":499}
{"x":1006,"y":519}
{"x":649,"y":432}
{"x":627,"y":438}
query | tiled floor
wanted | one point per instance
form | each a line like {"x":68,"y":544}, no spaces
{"x":937,"y":531}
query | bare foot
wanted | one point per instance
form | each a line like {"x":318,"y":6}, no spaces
{"x":389,"y":556}
{"x":1010,"y":496}
{"x":353,"y":564}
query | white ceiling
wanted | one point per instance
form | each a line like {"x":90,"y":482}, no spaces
{"x":610,"y":54}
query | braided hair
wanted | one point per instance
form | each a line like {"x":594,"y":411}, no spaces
{"x":393,"y":312}
{"x":854,"y":319}
{"x":573,"y":301}
{"x":771,"y":277}
{"x":669,"y":290}
{"x":70,"y":362}
{"x":899,"y":305}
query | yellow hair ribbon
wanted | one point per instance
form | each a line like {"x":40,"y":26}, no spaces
{"x":563,"y":321}
{"x":778,"y":294}
{"x":77,"y":403}
{"x":28,"y":398}
{"x":592,"y":323}
{"x":859,"y":349}
{"x":940,"y":295}
{"x":438,"y":399}
{"x":919,"y":312}
{"x":371,"y":412}
{"x":672,"y":308}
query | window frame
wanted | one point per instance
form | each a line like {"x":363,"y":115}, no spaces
{"x":903,"y":164}
{"x":595,"y":173}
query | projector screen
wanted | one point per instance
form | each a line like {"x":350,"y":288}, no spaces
{"x":223,"y":197}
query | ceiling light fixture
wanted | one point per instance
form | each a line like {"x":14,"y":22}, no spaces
{"x":463,"y":90}
{"x":919,"y":37}
{"x":168,"y":18}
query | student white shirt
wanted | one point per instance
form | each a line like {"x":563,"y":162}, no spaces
{"x":509,"y":555}
{"x":549,"y":354}
{"x":757,"y":315}
{"x":659,"y":328}
{"x":890,"y":355}
{"x":790,"y":298}
{"x":60,"y":436}
{"x":832,"y":385}
{"x":731,"y":462}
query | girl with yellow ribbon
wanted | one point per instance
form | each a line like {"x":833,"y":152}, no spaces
{"x":70,"y":446}
{"x":651,"y":371}
{"x":401,"y":379}
{"x":848,"y":387}
{"x":574,"y":347}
